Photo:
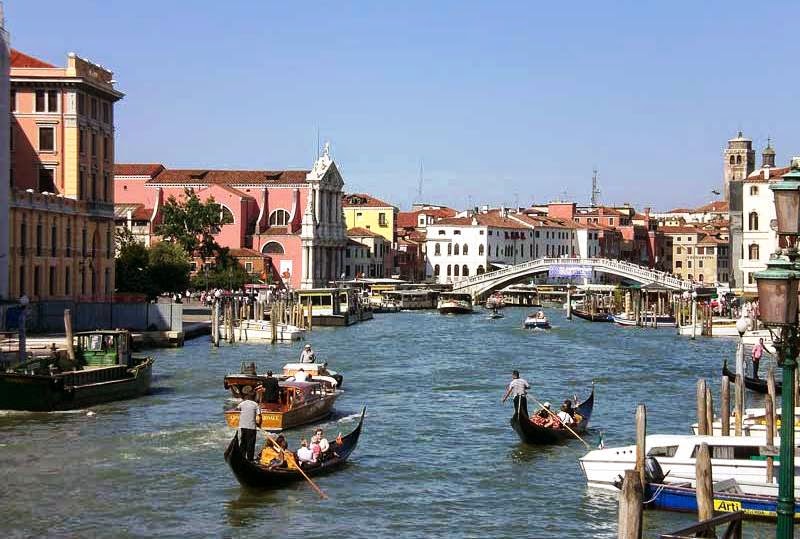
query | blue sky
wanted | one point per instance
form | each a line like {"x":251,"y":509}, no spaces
{"x":503,"y":101}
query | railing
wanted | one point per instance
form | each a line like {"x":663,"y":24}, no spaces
{"x":620,"y":266}
{"x":708,"y":528}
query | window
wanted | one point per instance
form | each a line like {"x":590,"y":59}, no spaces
{"x":700,"y":277}
{"x":678,"y":250}
{"x":53,"y":240}
{"x":109,"y":243}
{"x":690,"y":277}
{"x":279,"y":218}
{"x":753,"y":189}
{"x":753,"y":251}
{"x":248,"y":266}
{"x":456,"y":232}
{"x":382,"y":219}
{"x":39,"y":239}
{"x":678,"y":264}
{"x":69,"y":241}
{"x":732,"y":160}
{"x":699,"y":263}
{"x":449,"y":270}
{"x":225,"y":214}
{"x":753,"y":220}
{"x":688,"y":250}
{"x":52,"y":281}
{"x":47,"y":139}
{"x":465,"y":271}
{"x":275,"y":248}
{"x":94,"y":144}
{"x":93,"y":108}
{"x":738,"y":159}
{"x":81,"y":103}
{"x":436,"y":270}
{"x":689,"y":264}
{"x":67,"y":281}
{"x":668,"y":451}
{"x":455,"y":270}
{"x":751,"y":279}
{"x":480,"y":270}
{"x":13,"y":101}
{"x":106,"y":149}
{"x":449,"y":249}
{"x":46,"y":101}
{"x":47,"y":180}
{"x":465,"y":250}
{"x":456,"y":249}
{"x":81,"y":141}
{"x":441,"y":232}
{"x":437,"y":250}
{"x":480,"y":250}
{"x":22,"y":280}
{"x":37,"y":281}
{"x":106,"y":112}
{"x":83,"y":243}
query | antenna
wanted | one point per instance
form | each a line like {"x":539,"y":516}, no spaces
{"x":317,"y":156}
{"x":595,"y":199}
{"x":421,"y":175}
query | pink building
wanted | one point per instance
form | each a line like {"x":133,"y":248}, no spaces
{"x":293,"y":216}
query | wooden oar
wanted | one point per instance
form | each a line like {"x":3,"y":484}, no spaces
{"x":288,"y":455}
{"x":559,"y":420}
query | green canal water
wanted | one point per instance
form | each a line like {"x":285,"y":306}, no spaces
{"x":437,"y":457}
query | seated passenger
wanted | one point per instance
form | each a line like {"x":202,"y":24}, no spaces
{"x":544,"y":411}
{"x":564,"y":416}
{"x":570,"y":410}
{"x":280,"y":446}
{"x":304,"y":454}
{"x":301,"y":376}
{"x":316,"y":451}
{"x":323,"y":442}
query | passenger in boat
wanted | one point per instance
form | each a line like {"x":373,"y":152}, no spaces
{"x":324,"y":445}
{"x":323,"y":370}
{"x":301,"y":376}
{"x":271,"y":391}
{"x":304,"y":453}
{"x":540,"y":315}
{"x":280,"y":446}
{"x":249,"y":421}
{"x":518,"y":387}
{"x":307,"y":355}
{"x":569,"y":409}
{"x":544,"y":411}
{"x":564,"y":416}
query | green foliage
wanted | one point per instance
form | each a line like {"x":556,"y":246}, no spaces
{"x":226,"y":273}
{"x":133,"y":269}
{"x":169,"y":267}
{"x":192,"y":223}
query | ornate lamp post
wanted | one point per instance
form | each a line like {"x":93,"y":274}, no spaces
{"x":778,"y":303}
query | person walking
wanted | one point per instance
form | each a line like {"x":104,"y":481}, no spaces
{"x":249,"y":421}
{"x":518,"y":387}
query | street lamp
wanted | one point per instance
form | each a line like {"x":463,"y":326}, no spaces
{"x":742,"y":325}
{"x":777,"y":305}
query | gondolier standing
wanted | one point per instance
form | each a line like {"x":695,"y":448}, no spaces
{"x":249,"y":421}
{"x":518,"y":387}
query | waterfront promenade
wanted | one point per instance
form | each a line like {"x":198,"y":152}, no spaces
{"x":437,"y":457}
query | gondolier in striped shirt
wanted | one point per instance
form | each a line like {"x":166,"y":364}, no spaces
{"x":518,"y":387}
{"x":249,"y":421}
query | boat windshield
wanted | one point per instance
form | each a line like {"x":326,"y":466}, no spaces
{"x":666,"y":451}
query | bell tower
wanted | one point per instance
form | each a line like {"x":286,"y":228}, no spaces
{"x":739,"y":160}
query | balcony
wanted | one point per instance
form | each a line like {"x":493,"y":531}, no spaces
{"x":98,"y":208}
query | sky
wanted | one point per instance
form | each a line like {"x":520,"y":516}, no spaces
{"x":501,"y":102}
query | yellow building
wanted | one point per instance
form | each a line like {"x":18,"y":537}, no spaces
{"x":366,"y":211}
{"x":62,"y":197}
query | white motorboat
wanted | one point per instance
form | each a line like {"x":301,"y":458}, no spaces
{"x":742,"y":458}
{"x":754,"y":423}
{"x":261,"y":330}
{"x":454,"y":303}
{"x":661,"y":320}
{"x":536,"y":320}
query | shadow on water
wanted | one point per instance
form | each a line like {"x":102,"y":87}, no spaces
{"x":164,"y":390}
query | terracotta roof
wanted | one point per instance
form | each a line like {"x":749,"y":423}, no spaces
{"x":244,"y":253}
{"x":359,"y":232}
{"x":540,"y":220}
{"x":708,"y":238}
{"x":716,"y":206}
{"x":493,"y":219}
{"x":680,"y":210}
{"x":758,"y":175}
{"x":20,"y":59}
{"x":408,"y":219}
{"x":138,"y":211}
{"x":680,"y":230}
{"x":230,"y":177}
{"x":137,"y":169}
{"x":361,"y":200}
{"x":605,"y":211}
{"x":231,"y":190}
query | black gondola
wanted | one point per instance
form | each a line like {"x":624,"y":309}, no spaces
{"x":759,"y":385}
{"x":530,"y":433}
{"x":596,"y":317}
{"x":256,"y":475}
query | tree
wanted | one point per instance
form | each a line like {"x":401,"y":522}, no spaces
{"x":133,"y":269}
{"x":169,"y":267}
{"x":227,"y":273}
{"x":192,"y":223}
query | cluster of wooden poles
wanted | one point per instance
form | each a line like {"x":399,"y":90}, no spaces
{"x":230,"y":313}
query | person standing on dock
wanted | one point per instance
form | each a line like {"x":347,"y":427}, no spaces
{"x":249,"y":421}
{"x":518,"y":387}
{"x":758,"y":353}
{"x":307,"y":355}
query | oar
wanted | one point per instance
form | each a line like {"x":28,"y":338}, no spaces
{"x":289,"y":455}
{"x":559,"y":420}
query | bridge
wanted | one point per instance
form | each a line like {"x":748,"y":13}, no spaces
{"x":480,"y":285}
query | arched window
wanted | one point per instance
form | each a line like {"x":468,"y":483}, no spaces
{"x":455,"y":249}
{"x":678,"y":250}
{"x":465,"y":250}
{"x":449,"y":249}
{"x":753,"y":251}
{"x":753,"y":189}
{"x":449,"y":270}
{"x":279,"y":218}
{"x":273,"y":248}
{"x":738,"y":159}
{"x":480,"y":250}
{"x":437,"y":251}
{"x":226,"y":215}
{"x":732,"y":160}
{"x":700,"y":277}
{"x":436,"y":270}
{"x":480,"y":271}
{"x":455,"y":270}
{"x":753,"y":220}
{"x":465,"y":271}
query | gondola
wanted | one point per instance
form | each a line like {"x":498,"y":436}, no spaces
{"x":530,"y":433}
{"x":759,"y":385}
{"x":256,"y":475}
{"x":596,"y":317}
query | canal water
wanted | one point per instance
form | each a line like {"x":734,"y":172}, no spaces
{"x":437,"y":457}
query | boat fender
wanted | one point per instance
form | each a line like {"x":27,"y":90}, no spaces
{"x":652,"y":470}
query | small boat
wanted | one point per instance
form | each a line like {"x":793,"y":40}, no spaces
{"x":495,"y":315}
{"x":454,"y":303}
{"x":495,"y":301}
{"x":682,"y":497}
{"x":104,"y":370}
{"x":596,"y":317}
{"x":536,"y":321}
{"x":247,"y":377}
{"x":531,"y":433}
{"x":259,"y":475}
{"x":754,"y":423}
{"x":661,"y":320}
{"x":261,"y":330}
{"x":759,"y":385}
{"x":299,"y":403}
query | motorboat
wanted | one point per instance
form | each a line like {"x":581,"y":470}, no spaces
{"x":742,"y":458}
{"x":495,"y":301}
{"x":536,"y":320}
{"x":454,"y":303}
{"x":648,"y":320}
{"x":754,"y":423}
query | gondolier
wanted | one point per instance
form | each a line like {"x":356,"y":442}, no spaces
{"x":518,"y":387}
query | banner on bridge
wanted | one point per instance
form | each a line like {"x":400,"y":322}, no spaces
{"x":570,"y":271}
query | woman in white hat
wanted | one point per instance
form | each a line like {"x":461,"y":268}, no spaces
{"x":307,"y":355}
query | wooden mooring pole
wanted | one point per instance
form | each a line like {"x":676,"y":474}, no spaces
{"x":69,"y":338}
{"x":725,"y":407}
{"x":769,"y":409}
{"x":709,"y":412}
{"x":630,"y":507}
{"x":641,"y":436}
{"x":705,"y":485}
{"x":739,"y":404}
{"x":702,"y":419}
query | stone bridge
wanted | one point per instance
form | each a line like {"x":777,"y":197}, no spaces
{"x":480,"y":285}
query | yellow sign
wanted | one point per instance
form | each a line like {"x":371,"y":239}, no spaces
{"x":727,"y":506}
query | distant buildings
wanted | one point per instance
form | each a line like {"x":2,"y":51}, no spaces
{"x":363,"y":212}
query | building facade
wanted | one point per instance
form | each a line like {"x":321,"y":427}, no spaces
{"x":366,"y":212}
{"x":5,"y":165}
{"x":62,"y":158}
{"x":365,"y":254}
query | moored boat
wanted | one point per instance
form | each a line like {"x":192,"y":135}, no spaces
{"x":104,"y":370}
{"x":754,"y":423}
{"x":593,"y":317}
{"x":260,"y":475}
{"x":536,"y":321}
{"x":454,"y":303}
{"x":531,"y":432}
{"x":759,"y":385}
{"x":661,"y":320}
